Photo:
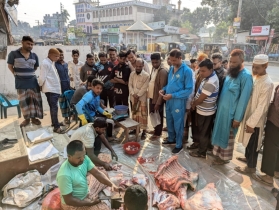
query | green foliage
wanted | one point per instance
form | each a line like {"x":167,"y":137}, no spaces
{"x":77,"y":30}
{"x":163,"y":15}
{"x":221,"y":31}
{"x":273,"y":17}
{"x":187,"y":24}
{"x":175,"y":22}
{"x":66,"y":15}
{"x":198,"y":18}
{"x":254,"y":12}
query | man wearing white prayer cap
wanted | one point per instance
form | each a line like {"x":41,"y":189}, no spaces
{"x":250,"y":132}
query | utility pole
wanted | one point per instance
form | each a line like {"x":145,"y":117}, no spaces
{"x":38,"y":22}
{"x":62,"y":19}
{"x":238,"y":16}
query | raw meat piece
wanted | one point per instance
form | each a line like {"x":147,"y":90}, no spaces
{"x":142,"y":160}
{"x":140,"y":179}
{"x":117,"y":167}
{"x":125,"y":183}
{"x":105,"y":157}
{"x":172,"y":169}
{"x":165,"y":201}
{"x":173,"y":177}
{"x":205,"y":199}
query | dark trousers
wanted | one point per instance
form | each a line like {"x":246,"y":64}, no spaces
{"x":270,"y":161}
{"x":204,"y":129}
{"x":52,"y":99}
{"x":159,"y":128}
{"x":194,"y":126}
{"x":122,"y":99}
{"x":97,"y":145}
{"x":251,"y":153}
{"x":108,"y":95}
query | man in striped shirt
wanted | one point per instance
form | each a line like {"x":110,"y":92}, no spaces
{"x":205,"y":105}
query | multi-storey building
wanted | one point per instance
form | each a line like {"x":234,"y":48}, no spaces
{"x":53,"y":21}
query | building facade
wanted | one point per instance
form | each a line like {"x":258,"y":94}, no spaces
{"x":53,"y":21}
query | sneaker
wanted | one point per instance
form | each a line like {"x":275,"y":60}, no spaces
{"x":177,"y":150}
{"x":168,"y":142}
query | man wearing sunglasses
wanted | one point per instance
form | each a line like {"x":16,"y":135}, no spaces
{"x":219,"y":70}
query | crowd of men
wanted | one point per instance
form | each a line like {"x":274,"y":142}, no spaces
{"x":220,"y":100}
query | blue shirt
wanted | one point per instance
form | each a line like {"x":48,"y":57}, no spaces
{"x":63,"y":72}
{"x":25,"y":77}
{"x":91,"y":103}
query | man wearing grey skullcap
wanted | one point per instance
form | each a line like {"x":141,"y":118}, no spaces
{"x":250,"y":132}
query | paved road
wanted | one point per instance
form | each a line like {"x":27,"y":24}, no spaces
{"x":273,"y":72}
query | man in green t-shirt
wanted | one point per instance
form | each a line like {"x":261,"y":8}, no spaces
{"x":71,"y":177}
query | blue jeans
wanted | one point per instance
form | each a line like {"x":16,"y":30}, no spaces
{"x":52,"y":99}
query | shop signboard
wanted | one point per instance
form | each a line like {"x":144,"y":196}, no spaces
{"x":260,"y":30}
{"x":113,"y":30}
{"x":171,"y":29}
{"x":157,"y":25}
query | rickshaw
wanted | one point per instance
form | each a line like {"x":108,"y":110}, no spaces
{"x":211,"y":48}
{"x":250,"y":49}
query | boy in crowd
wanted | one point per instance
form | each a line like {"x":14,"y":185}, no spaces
{"x":120,"y":77}
{"x":88,"y":68}
{"x":74,"y":69}
{"x":104,"y":69}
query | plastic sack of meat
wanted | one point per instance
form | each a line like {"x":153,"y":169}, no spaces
{"x":52,"y":201}
{"x":105,"y":157}
{"x":205,"y":199}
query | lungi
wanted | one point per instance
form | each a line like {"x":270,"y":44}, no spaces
{"x":141,"y":115}
{"x":30,"y":102}
{"x":94,"y":188}
{"x":227,"y":153}
{"x":64,"y":106}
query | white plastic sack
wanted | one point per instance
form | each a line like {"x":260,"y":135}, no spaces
{"x":155,"y":118}
{"x":39,"y":134}
{"x":23,"y":189}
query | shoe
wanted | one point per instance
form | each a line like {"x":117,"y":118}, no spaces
{"x":193,"y":146}
{"x":168,"y":143}
{"x":197,"y":154}
{"x":177,"y":150}
{"x":245,"y":170}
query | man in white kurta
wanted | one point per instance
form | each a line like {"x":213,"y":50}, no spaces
{"x":138,"y":85}
{"x":250,"y":132}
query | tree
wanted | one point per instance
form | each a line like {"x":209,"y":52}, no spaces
{"x":187,"y":24}
{"x":273,"y":17}
{"x":221,"y":31}
{"x":254,"y":12}
{"x":197,"y":19}
{"x":175,"y":22}
{"x":78,"y":31}
{"x":65,"y":15}
{"x":163,"y":14}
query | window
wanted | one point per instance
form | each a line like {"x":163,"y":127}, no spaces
{"x":114,"y":12}
{"x":130,"y":10}
{"x":93,"y":14}
{"x":110,"y":12}
{"x":118,"y":12}
{"x":126,"y":10}
{"x":88,"y":30}
{"x":103,"y":13}
{"x":122,"y":11}
{"x":107,"y":13}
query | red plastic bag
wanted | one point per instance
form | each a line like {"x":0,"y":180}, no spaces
{"x":52,"y":201}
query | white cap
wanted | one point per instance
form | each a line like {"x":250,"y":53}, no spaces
{"x":260,"y":59}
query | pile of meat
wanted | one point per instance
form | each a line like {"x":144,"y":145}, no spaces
{"x":121,"y":181}
{"x":207,"y":198}
{"x":174,"y":178}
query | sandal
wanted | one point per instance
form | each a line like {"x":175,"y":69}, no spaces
{"x":60,"y":124}
{"x":36,"y":122}
{"x":259,"y":179}
{"x":58,"y":130}
{"x":143,"y":136}
{"x":220,"y":162}
{"x":197,"y":154}
{"x":5,"y":146}
{"x":25,"y":123}
{"x":242,"y":159}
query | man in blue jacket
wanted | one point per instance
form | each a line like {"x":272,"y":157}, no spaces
{"x":176,"y":93}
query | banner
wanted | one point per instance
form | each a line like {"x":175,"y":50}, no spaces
{"x":260,"y":30}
